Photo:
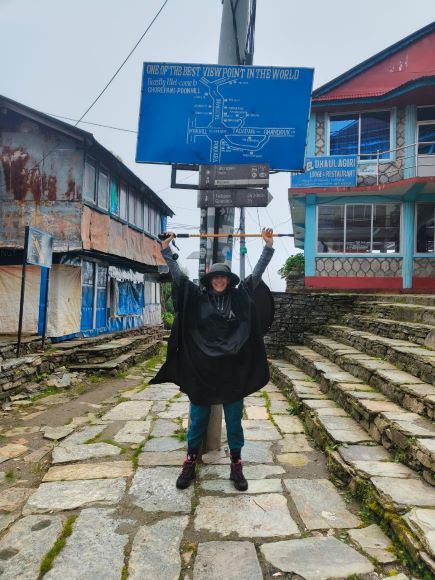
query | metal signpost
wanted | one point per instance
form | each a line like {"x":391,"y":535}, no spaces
{"x":38,"y":251}
{"x":233,"y":176}
{"x":234,"y":198}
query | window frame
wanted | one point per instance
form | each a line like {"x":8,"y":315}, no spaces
{"x":360,"y":159}
{"x":422,"y":254}
{"x":370,"y":254}
{"x":103,"y":170}
{"x":93,"y":163}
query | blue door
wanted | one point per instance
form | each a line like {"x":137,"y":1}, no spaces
{"x":101,"y":305}
{"x":87,"y":295}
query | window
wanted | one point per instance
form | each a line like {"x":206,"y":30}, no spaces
{"x":426,"y":114}
{"x":157,"y":223}
{"x":139,"y":211}
{"x":131,"y":205}
{"x":89,"y":180}
{"x":426,"y":227}
{"x":360,"y":134}
{"x":103,"y":189}
{"x":146,"y":217}
{"x":123,"y":208}
{"x":152,"y":221}
{"x":359,"y":228}
{"x":114,"y":196}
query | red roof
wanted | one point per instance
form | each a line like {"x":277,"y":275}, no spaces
{"x":410,"y":63}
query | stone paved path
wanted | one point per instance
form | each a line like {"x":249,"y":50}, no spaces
{"x":109,"y":492}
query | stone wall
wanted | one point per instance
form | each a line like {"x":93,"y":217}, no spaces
{"x":301,"y":313}
{"x":18,"y":375}
{"x":364,"y":267}
{"x":424,"y":267}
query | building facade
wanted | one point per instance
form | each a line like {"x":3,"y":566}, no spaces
{"x":364,"y":210}
{"x":104,"y":221}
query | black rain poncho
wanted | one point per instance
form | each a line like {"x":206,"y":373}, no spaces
{"x":213,"y":357}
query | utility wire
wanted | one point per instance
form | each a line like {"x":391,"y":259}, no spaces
{"x":90,"y":123}
{"x":118,"y":70}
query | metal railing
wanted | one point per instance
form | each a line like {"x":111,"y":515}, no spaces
{"x":378,"y":160}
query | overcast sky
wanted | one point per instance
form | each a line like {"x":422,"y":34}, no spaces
{"x":57,"y":55}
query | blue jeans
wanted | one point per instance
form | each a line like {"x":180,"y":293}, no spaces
{"x":199,"y":416}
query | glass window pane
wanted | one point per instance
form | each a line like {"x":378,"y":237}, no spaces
{"x":343,"y":131}
{"x":386,"y":228}
{"x":123,"y":212}
{"x":89,"y":180}
{"x":103,"y":189}
{"x":330,"y":229}
{"x":146,"y":211}
{"x":152,"y":221}
{"x":375,"y":135}
{"x":157,"y":226}
{"x":425,"y":227}
{"x":358,"y":228}
{"x":426,"y":139}
{"x":139,"y":211}
{"x":114,"y":196}
{"x":426,"y":114}
{"x":131,"y":206}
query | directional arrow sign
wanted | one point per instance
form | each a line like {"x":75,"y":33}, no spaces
{"x":233,"y":176}
{"x":234,"y":198}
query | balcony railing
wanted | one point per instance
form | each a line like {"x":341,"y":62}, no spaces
{"x":415,"y":163}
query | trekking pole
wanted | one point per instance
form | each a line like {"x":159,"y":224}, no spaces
{"x":164,"y":236}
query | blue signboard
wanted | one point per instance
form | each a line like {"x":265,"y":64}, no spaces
{"x":333,"y":171}
{"x":215,"y":114}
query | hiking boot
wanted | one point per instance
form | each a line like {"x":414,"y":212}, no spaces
{"x":187,"y":474}
{"x":237,"y":476}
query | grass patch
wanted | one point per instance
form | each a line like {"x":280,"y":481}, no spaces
{"x":10,"y":475}
{"x":136,"y":453}
{"x":156,"y":359}
{"x":95,"y":378}
{"x":124,"y":574}
{"x":47,"y":562}
{"x":181,"y":434}
{"x":293,"y":409}
{"x":45,"y":393}
{"x":121,"y":374}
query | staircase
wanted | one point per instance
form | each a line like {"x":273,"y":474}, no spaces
{"x":365,"y":389}
{"x":108,"y":353}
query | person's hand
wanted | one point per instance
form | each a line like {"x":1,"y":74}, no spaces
{"x":266,"y":234}
{"x":168,"y":240}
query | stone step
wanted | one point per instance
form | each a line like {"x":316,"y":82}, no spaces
{"x":421,"y":314}
{"x":121,"y":362}
{"x":402,"y":387}
{"x":424,"y":299}
{"x":100,"y":353}
{"x":408,"y":435}
{"x":423,"y":334}
{"x":391,"y":491}
{"x":401,"y":353}
{"x":29,"y":345}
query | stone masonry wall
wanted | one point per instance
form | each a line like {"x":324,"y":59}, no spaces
{"x":17,"y":375}
{"x":301,"y":313}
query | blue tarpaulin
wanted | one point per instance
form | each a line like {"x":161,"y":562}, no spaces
{"x":130,"y":299}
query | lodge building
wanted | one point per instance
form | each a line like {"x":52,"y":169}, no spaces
{"x":363,"y":212}
{"x":104,"y":221}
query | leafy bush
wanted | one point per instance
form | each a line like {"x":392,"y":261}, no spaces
{"x":168,"y":319}
{"x":294,"y":263}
